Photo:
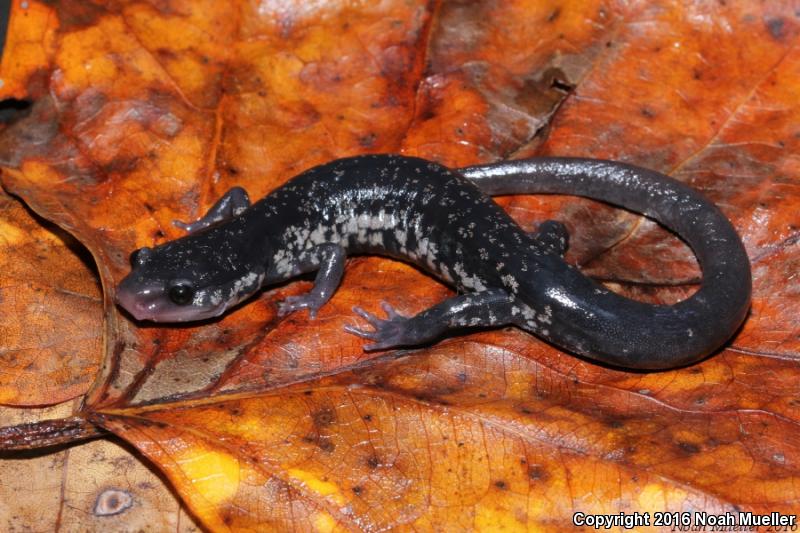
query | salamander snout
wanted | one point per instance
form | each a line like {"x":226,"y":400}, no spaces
{"x":158,"y":303}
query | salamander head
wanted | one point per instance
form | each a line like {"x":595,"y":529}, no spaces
{"x":189,"y":279}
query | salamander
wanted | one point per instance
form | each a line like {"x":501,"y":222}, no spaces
{"x":445,"y":222}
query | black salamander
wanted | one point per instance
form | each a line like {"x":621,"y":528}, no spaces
{"x":444,"y":222}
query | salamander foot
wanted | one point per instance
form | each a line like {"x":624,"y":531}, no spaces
{"x":395,"y":330}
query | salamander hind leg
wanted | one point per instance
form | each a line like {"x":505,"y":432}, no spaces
{"x":552,"y":237}
{"x":230,"y":205}
{"x":482,"y":309}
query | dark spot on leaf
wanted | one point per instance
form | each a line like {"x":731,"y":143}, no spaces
{"x":500,"y":484}
{"x":233,"y":171}
{"x":614,"y":423}
{"x":166,"y":53}
{"x":325,"y":445}
{"x":112,"y":502}
{"x":373,"y":462}
{"x":367,"y":141}
{"x":525,"y":411}
{"x":323,"y":417}
{"x":76,"y":15}
{"x":775,"y":27}
{"x":538,"y":473}
{"x":357,"y":490}
{"x":688,"y":447}
{"x":647,"y":112}
{"x":367,"y":418}
{"x":554,"y":15}
{"x":308,"y":392}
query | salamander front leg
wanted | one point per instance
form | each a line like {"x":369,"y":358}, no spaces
{"x":552,"y":237}
{"x":230,"y":205}
{"x":488,"y":308}
{"x":331,"y":259}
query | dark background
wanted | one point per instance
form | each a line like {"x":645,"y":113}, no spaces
{"x":5,"y":7}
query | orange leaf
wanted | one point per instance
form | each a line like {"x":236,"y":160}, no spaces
{"x":148,"y":114}
{"x":51,"y":311}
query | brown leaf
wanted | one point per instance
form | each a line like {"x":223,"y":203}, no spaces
{"x":52,"y":317}
{"x":98,"y":486}
{"x":148,"y":114}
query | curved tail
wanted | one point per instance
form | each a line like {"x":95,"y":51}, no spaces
{"x":617,"y":330}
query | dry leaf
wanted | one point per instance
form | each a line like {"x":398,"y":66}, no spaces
{"x":51,"y":307}
{"x":144,"y":114}
{"x":98,"y":486}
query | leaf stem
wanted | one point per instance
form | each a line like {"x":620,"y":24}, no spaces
{"x":48,"y":433}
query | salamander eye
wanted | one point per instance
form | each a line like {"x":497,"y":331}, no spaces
{"x":181,"y":293}
{"x":140,"y":256}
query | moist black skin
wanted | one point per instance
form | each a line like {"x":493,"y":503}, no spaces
{"x":444,"y":221}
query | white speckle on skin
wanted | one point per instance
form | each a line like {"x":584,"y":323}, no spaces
{"x":376,"y":239}
{"x":510,"y":282}
{"x":364,"y":220}
{"x":318,"y":235}
{"x":351,"y":226}
{"x":246,"y":281}
{"x":470,"y":282}
{"x":445,"y":272}
{"x":283,"y":262}
{"x":528,"y":313}
{"x":216,"y":297}
{"x":422,"y":247}
{"x":302,"y":237}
